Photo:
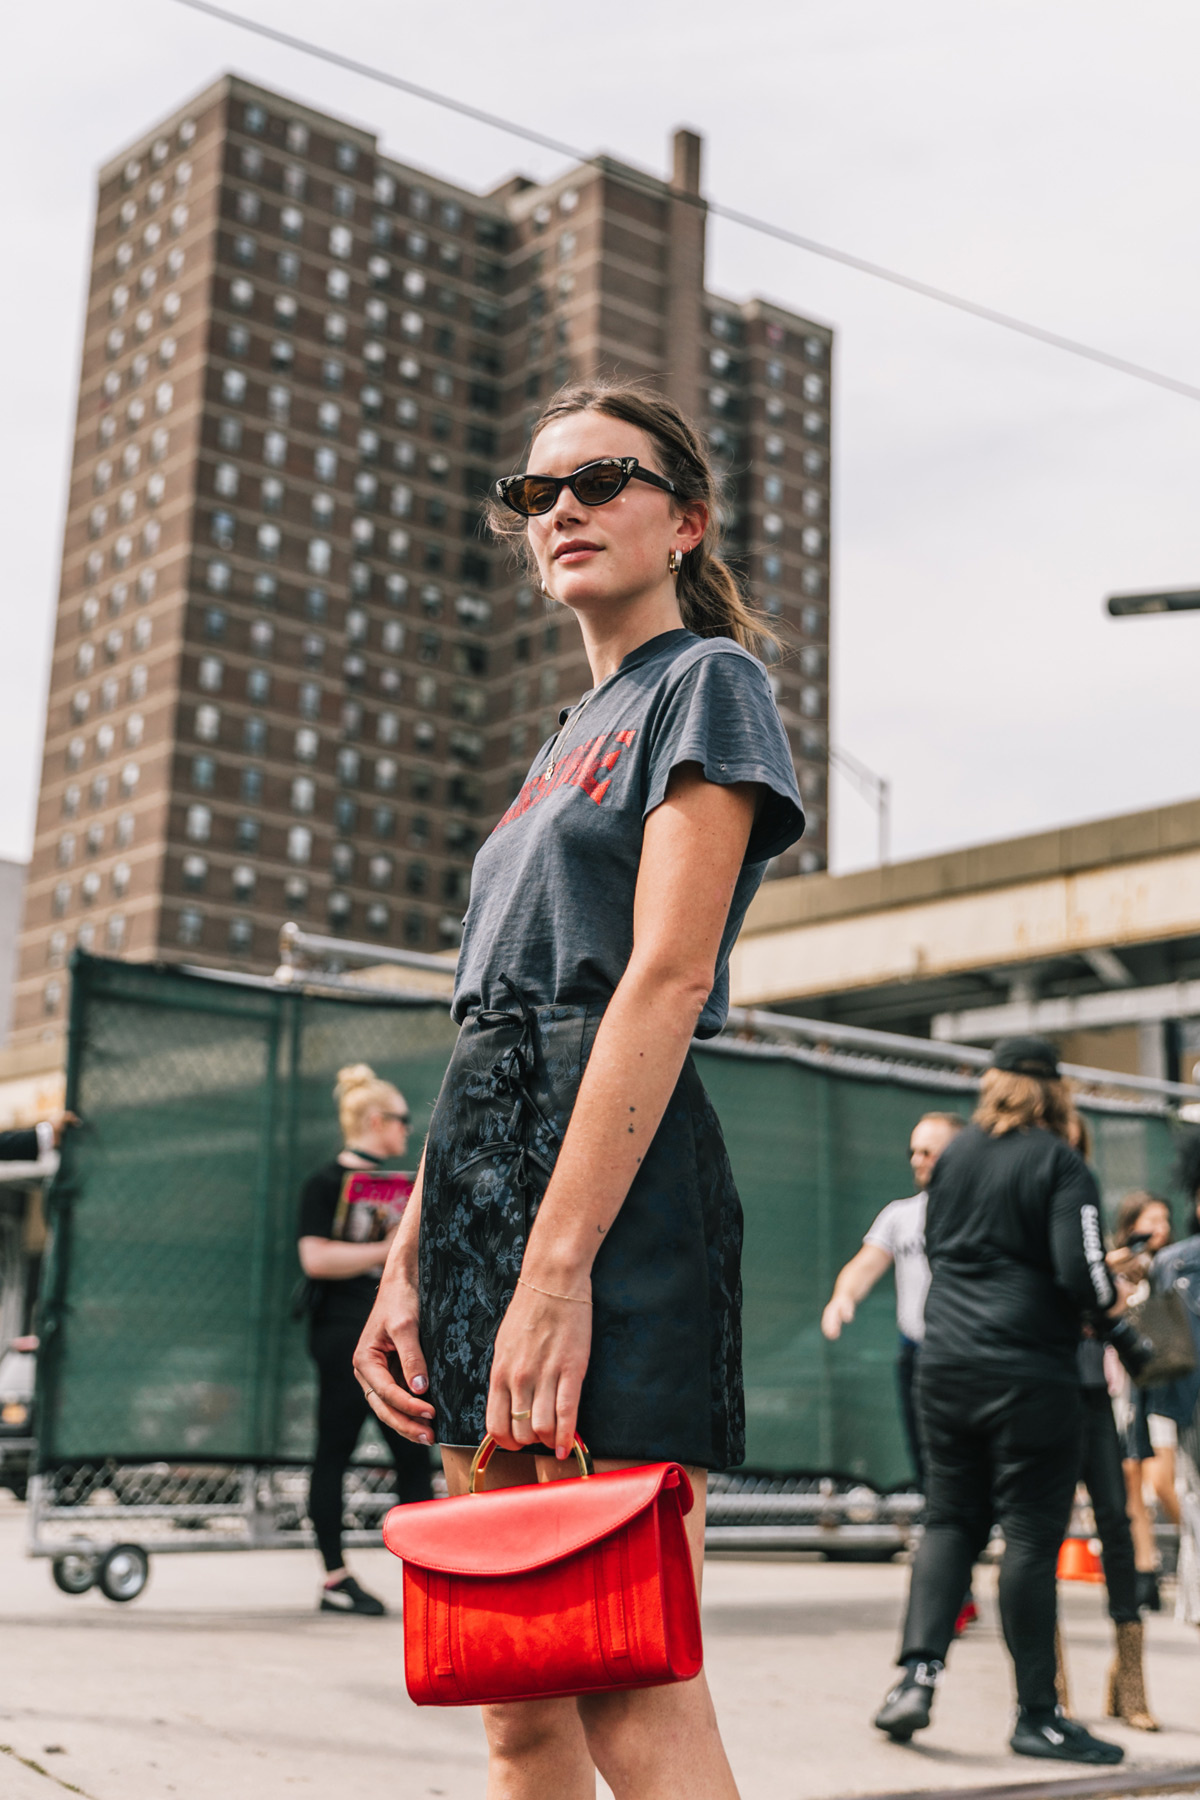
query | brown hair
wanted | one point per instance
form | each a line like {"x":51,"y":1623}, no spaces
{"x":1130,"y":1211}
{"x":1009,"y":1102}
{"x":710,"y":602}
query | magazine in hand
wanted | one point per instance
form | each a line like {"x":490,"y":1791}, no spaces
{"x":371,"y":1202}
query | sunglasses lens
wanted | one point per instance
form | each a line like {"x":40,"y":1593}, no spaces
{"x":531,"y":494}
{"x":599,"y":482}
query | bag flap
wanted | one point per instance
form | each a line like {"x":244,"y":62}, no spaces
{"x":511,"y":1529}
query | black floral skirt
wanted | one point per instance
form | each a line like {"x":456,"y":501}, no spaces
{"x":664,"y":1381}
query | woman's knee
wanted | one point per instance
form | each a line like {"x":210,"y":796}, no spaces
{"x":523,"y":1728}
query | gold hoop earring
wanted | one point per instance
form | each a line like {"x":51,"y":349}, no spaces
{"x":674,"y":561}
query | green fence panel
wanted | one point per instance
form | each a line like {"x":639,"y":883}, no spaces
{"x":165,"y":1307}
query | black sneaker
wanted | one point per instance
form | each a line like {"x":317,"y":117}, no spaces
{"x":348,"y":1597}
{"x":908,"y":1706}
{"x":1060,"y":1739}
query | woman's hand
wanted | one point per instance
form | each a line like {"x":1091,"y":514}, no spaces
{"x":391,"y":1331}
{"x":1132,"y":1265}
{"x":538,"y":1366}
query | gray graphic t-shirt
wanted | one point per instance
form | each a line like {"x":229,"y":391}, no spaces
{"x":552,"y":889}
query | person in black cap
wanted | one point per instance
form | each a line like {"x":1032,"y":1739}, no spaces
{"x":1013,"y":1240}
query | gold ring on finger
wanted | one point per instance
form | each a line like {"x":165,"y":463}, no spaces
{"x":523,"y":1415}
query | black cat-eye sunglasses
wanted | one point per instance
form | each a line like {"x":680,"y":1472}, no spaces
{"x":594,"y":484}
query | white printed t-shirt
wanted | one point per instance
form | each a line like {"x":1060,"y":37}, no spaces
{"x":900,"y":1230}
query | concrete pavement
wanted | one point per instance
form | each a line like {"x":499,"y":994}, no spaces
{"x":223,"y":1681}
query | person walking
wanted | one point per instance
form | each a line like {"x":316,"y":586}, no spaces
{"x":1176,"y":1269}
{"x":1012,"y":1234}
{"x":1148,"y":1439}
{"x":343,"y":1268}
{"x":896,"y":1239}
{"x":1101,"y":1473}
{"x":571,"y":1254}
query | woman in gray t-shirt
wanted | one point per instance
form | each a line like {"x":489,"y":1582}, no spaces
{"x":570,"y":1255}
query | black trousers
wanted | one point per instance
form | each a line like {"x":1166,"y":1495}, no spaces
{"x":1004,"y":1450}
{"x":341,"y":1414}
{"x":906,"y":1375}
{"x":1102,"y":1475}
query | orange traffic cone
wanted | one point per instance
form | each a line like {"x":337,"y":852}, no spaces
{"x":1077,"y":1561}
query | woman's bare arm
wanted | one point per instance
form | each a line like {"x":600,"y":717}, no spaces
{"x":329,"y":1259}
{"x":693,"y":848}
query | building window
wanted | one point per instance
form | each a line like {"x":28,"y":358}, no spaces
{"x":268,"y":538}
{"x":190,"y":928}
{"x":345,"y":814}
{"x":279,"y":404}
{"x":246,"y":832}
{"x":229,"y":432}
{"x":241,"y":936}
{"x":210,"y":673}
{"x":198,"y":824}
{"x":307,"y":743}
{"x":258,"y":686}
{"x":204,"y":772}
{"x":243,"y":880}
{"x":319,"y":556}
{"x":208,"y":724}
{"x":299,"y":844}
{"x":304,"y":794}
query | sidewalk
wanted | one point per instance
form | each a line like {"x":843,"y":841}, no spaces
{"x":223,"y":1683}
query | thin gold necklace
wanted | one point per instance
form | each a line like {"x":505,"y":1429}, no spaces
{"x":572,"y":718}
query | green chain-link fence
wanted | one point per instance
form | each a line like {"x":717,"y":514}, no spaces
{"x":206,"y":1100}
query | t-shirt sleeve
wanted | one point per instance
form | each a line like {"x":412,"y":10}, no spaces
{"x":722,"y":715}
{"x":882,"y":1232}
{"x":318,"y":1204}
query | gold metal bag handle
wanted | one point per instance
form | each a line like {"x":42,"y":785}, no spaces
{"x":483,"y":1457}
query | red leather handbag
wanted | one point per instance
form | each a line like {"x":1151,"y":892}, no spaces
{"x":566,"y":1587}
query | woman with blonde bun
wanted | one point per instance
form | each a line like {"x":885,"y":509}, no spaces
{"x":342,"y":1260}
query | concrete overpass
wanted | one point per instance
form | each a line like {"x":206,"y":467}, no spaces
{"x":1090,"y":933}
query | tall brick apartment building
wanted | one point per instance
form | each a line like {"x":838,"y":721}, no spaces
{"x":292,"y":677}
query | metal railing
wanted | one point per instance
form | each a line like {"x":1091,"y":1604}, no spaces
{"x":296,"y":946}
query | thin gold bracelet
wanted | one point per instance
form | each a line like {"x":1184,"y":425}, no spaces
{"x":575,"y":1299}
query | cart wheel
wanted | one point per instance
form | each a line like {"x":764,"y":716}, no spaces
{"x":124,"y":1572}
{"x":74,"y":1572}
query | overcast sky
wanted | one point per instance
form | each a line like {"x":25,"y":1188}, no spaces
{"x":1037,"y":155}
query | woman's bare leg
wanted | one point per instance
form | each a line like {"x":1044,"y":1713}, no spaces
{"x":1145,"y":1550}
{"x":660,"y":1743}
{"x":536,"y":1748}
{"x":1161,"y":1469}
{"x":648,"y":1743}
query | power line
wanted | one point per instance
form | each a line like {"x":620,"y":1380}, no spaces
{"x":765,"y":227}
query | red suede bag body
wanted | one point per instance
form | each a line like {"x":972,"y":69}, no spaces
{"x":567,"y":1587}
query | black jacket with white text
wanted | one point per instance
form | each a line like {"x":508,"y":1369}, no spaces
{"x":1012,"y":1233}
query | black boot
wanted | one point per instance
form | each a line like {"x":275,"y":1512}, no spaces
{"x":908,"y":1706}
{"x":1052,"y":1735}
